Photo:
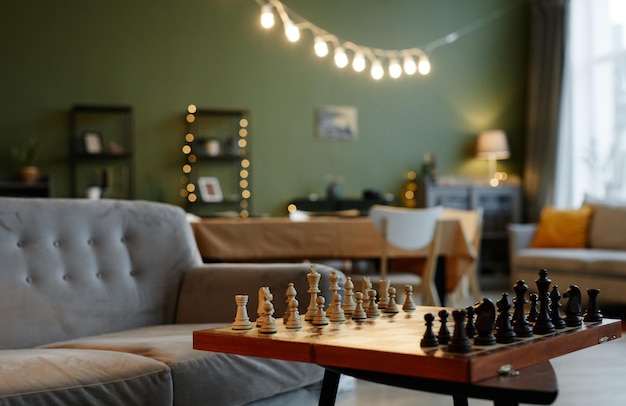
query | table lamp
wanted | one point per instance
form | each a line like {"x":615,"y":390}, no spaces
{"x":492,"y":145}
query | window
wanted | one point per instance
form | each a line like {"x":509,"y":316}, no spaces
{"x":592,"y":141}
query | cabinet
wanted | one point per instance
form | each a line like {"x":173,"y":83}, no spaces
{"x":101,"y":151}
{"x":501,"y":206}
{"x":216,"y":167}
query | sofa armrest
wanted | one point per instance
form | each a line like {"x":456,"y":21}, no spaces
{"x":207,"y":292}
{"x":520,"y":236}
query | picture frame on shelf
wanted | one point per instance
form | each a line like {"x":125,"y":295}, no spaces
{"x":92,"y":141}
{"x":210,"y":190}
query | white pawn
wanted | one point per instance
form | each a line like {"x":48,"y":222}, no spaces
{"x":372,"y":309}
{"x":392,"y":306}
{"x":409,"y":304}
{"x":338,"y":315}
{"x":358,"y":313}
{"x":349,"y":304}
{"x":264,"y":296}
{"x":320,"y":318}
{"x":291,"y":294}
{"x":269,"y":323}
{"x":294,"y":321}
{"x":242,"y":322}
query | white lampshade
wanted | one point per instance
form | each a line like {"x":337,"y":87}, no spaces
{"x":492,"y":144}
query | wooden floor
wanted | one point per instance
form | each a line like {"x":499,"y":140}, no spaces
{"x":595,"y":376}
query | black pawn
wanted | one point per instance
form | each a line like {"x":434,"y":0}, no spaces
{"x":534,"y":312}
{"x":504,"y":330}
{"x":429,"y":339}
{"x":573,"y":307}
{"x":444,"y":333}
{"x":593,"y":314}
{"x":520,"y":324}
{"x":543,"y":324}
{"x":485,"y":322}
{"x":555,"y":308}
{"x":459,"y":341}
{"x":470,"y":327}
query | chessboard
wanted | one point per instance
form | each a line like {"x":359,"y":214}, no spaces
{"x":420,"y":341}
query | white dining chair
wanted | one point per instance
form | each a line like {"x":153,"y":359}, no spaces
{"x":410,"y":229}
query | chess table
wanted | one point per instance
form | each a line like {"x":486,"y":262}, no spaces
{"x":387,"y":350}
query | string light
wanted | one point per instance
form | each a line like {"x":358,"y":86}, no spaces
{"x":414,"y":60}
{"x":361,"y":55}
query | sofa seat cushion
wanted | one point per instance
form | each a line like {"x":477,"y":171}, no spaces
{"x":599,"y":262}
{"x":202,"y":377}
{"x":81,"y":377}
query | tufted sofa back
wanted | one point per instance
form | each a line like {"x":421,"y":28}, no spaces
{"x":74,"y":267}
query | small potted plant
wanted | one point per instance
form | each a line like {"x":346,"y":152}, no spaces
{"x":25,"y":157}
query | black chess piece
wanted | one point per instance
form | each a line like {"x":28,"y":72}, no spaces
{"x":555,"y":308}
{"x":459,"y":341}
{"x":534,"y":304}
{"x":593,"y":314}
{"x":444,"y":333}
{"x":429,"y":339}
{"x":521,"y":326}
{"x":573,"y":307}
{"x":543,"y":324}
{"x":504,"y":330}
{"x":485,"y":322}
{"x":470,"y":327}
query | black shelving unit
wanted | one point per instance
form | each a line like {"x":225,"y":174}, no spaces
{"x":216,"y":167}
{"x":101,"y":150}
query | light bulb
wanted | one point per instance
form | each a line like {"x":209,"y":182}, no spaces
{"x":358,"y":63}
{"x":321,"y":47}
{"x":424,"y":66}
{"x":291,"y":31}
{"x":341,"y":59}
{"x":267,"y":16}
{"x":377,"y":71}
{"x":394,"y":69}
{"x":409,"y":65}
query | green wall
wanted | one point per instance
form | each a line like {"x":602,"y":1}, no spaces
{"x":159,"y":56}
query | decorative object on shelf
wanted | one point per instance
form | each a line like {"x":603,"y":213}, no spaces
{"x":408,"y":191}
{"x":25,"y":157}
{"x":398,"y":61}
{"x":93,"y":142}
{"x":216,"y":145}
{"x":337,"y":123}
{"x":210,"y":189}
{"x":101,"y":153}
{"x":429,"y":167}
{"x":492,"y":145}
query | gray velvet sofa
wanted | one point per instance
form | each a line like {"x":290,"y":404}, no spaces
{"x":98,"y":301}
{"x":601,"y":264}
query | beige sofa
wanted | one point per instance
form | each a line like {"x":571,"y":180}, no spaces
{"x":600,"y":264}
{"x":98,"y":301}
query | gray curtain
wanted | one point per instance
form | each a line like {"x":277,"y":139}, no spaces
{"x":547,"y":52}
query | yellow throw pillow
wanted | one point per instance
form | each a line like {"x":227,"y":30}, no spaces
{"x":562,"y":228}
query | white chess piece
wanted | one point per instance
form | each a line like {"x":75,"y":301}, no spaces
{"x":392,"y":306}
{"x":291,"y":294}
{"x":314,"y":279}
{"x":359,"y":314}
{"x":372,"y":309}
{"x":349,"y":304}
{"x":294,"y":321}
{"x":269,"y":324}
{"x":338,"y":315}
{"x":320,"y":318}
{"x":409,"y":304}
{"x":383,"y":288}
{"x":242,"y":322}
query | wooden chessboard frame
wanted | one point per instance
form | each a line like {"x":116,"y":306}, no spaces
{"x":392,"y":345}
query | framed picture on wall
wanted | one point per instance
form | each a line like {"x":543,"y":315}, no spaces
{"x":337,"y":123}
{"x":92,"y":142}
{"x":210,"y":189}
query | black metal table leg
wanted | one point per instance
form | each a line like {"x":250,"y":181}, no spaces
{"x":329,"y":388}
